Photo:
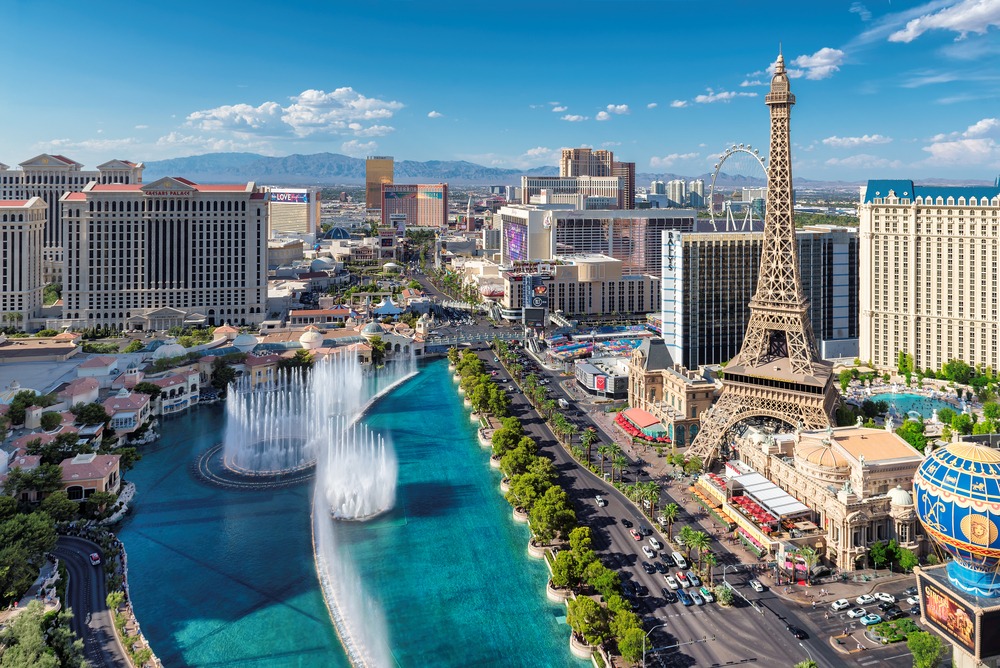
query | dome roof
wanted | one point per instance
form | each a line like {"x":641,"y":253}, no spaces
{"x":820,"y":454}
{"x":372,"y":328}
{"x":245,"y":341}
{"x":311,"y":338}
{"x":957,"y":490}
{"x":169,"y":350}
{"x":900,"y":497}
{"x":337,"y":233}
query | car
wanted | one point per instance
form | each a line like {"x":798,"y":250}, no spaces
{"x":655,"y":544}
{"x":671,"y":582}
{"x":842,"y":604}
{"x":914,"y":610}
{"x":756,"y":585}
{"x":600,"y":500}
{"x":910,"y":591}
{"x":641,"y":590}
{"x":627,"y":523}
{"x":648,"y":567}
{"x":679,"y":541}
{"x":496,"y":359}
{"x":695,"y":582}
{"x":684,"y":598}
{"x":628,"y":587}
{"x":635,"y":534}
{"x":660,"y":567}
{"x":893,"y":613}
{"x":668,"y":596}
{"x":645,"y":530}
{"x":885,"y":597}
{"x":707,"y":594}
{"x":682,"y":579}
{"x":912,"y":600}
{"x":857,"y":613}
{"x":696,"y":597}
{"x":648,"y":551}
{"x":796,"y":631}
{"x":865,"y":599}
{"x":883,"y":606}
{"x":95,"y":559}
{"x":679,"y":560}
{"x":870,"y":619}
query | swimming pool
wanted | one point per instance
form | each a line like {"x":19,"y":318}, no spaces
{"x":905,"y":402}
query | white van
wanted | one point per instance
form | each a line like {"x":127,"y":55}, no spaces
{"x":679,"y":560}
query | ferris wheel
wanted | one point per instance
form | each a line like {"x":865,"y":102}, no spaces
{"x":742,"y":186}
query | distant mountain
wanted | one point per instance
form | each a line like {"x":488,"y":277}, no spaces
{"x":325,"y":169}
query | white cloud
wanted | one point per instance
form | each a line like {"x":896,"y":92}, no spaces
{"x":678,"y":104}
{"x":966,"y":152}
{"x":435,"y":114}
{"x":617,"y":108}
{"x":861,"y":11}
{"x":652,"y":105}
{"x":574,"y":118}
{"x":963,"y":17}
{"x":864,"y":160}
{"x":610,"y":144}
{"x":602,"y":116}
{"x":559,"y":109}
{"x":669,"y":160}
{"x":852,"y":142}
{"x":982,"y":127}
{"x":88,"y":144}
{"x":141,"y":127}
{"x":755,"y":82}
{"x":721,"y":96}
{"x":341,"y":111}
{"x":533,"y":157}
{"x":356,"y":149}
{"x":820,"y":65}
{"x":211,"y":144}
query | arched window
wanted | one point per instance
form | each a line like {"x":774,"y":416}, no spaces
{"x":75,"y":493}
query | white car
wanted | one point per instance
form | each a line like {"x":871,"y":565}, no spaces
{"x":671,"y":582}
{"x":842,"y":604}
{"x":695,"y":581}
{"x":885,"y":597}
{"x":600,"y":500}
{"x":857,"y":613}
{"x":648,"y":551}
{"x":865,"y":599}
{"x":655,"y":544}
{"x":757,"y":586}
{"x":913,"y":600}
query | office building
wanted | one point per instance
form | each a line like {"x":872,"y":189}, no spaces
{"x":165,"y":254}
{"x":710,"y":277}
{"x":292,"y":210}
{"x":929,"y":274}
{"x":545,"y":232}
{"x":378,"y":171}
{"x":414,"y":205}
{"x":49,"y":176}
{"x":22,"y":230}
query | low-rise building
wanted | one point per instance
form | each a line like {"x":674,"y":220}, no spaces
{"x":128,"y":411}
{"x":178,"y":391}
{"x":603,"y":376}
{"x":86,"y":474}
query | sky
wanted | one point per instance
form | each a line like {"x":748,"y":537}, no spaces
{"x":885,"y":88}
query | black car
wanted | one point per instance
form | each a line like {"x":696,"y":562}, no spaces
{"x":648,"y":567}
{"x":915,"y":610}
{"x":644,"y":530}
{"x":668,"y":596}
{"x":660,"y":567}
{"x":885,"y":606}
{"x":641,"y":590}
{"x":796,"y":631}
{"x":910,"y":591}
{"x":893,"y":613}
{"x":626,"y":523}
{"x":628,"y":587}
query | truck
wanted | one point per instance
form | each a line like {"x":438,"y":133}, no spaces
{"x":563,"y":403}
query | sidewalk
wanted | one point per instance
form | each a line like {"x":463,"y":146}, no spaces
{"x":42,"y":589}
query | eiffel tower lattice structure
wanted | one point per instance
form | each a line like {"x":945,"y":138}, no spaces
{"x":777,"y":375}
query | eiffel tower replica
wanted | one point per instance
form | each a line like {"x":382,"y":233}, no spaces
{"x":777,"y":374}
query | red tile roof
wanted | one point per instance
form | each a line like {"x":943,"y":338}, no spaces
{"x":13,"y":202}
{"x":98,"y":362}
{"x":79,"y":386}
{"x":132,"y":402}
{"x":261,"y":360}
{"x":88,"y":467}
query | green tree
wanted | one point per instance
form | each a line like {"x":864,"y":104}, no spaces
{"x":24,"y":641}
{"x":963,"y":424}
{"x":907,"y":559}
{"x":519,"y":460}
{"x":724,"y":595}
{"x":912,"y":431}
{"x":92,"y":413}
{"x":526,"y":489}
{"x":631,"y":644}
{"x":605,"y":452}
{"x":619,"y":462}
{"x":604,"y":580}
{"x":587,"y":440}
{"x":846,"y":376}
{"x":152,"y":389}
{"x":694,"y":465}
{"x":63,"y":446}
{"x":135,"y":346}
{"x":59,"y":507}
{"x":670,"y":513}
{"x":378,"y":346}
{"x":588,"y":619}
{"x":946,"y":415}
{"x":504,"y":440}
{"x":552,"y":515}
{"x":957,"y":371}
{"x":8,"y":507}
{"x":222,"y":375}
{"x":991,"y":410}
{"x":50,"y":420}
{"x":808,"y":663}
{"x":878,"y":553}
{"x":564,"y":570}
{"x":24,"y":540}
{"x":64,"y":642}
{"x":925,"y":647}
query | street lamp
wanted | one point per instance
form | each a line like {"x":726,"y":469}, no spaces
{"x":807,"y":652}
{"x":644,"y":642}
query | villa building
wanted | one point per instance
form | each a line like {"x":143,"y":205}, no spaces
{"x":128,"y":411}
{"x":85,"y":474}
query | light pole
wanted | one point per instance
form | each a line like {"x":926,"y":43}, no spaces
{"x":808,"y":652}
{"x":644,"y":642}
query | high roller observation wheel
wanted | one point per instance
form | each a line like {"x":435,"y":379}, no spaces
{"x":744,"y":160}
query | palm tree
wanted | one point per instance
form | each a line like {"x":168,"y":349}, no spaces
{"x":810,"y":558}
{"x":571,"y":431}
{"x":670,"y":513}
{"x":587,"y":440}
{"x":620,"y":462}
{"x":709,"y":560}
{"x":605,"y":452}
{"x":700,"y":541}
{"x":653,"y":496}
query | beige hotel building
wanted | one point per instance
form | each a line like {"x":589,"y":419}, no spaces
{"x":928,"y":278}
{"x":165,"y":254}
{"x":22,"y":225}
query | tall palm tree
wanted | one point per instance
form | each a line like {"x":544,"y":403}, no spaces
{"x":571,"y":431}
{"x":700,"y":541}
{"x":587,"y":440}
{"x":653,"y":496}
{"x":605,"y":452}
{"x":670,"y":513}
{"x":810,"y":558}
{"x":685,"y":536}
{"x":620,"y":462}
{"x":709,"y":560}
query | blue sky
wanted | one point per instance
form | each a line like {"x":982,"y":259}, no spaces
{"x":886,"y":88}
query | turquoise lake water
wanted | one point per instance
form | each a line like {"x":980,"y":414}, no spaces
{"x":226,"y":578}
{"x":906,"y":402}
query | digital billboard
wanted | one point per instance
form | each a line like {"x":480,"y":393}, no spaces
{"x":536,"y":292}
{"x":601,"y":383}
{"x":950,"y":616}
{"x":989,"y":639}
{"x":533,"y":317}
{"x":290,"y":196}
{"x":517,"y":247}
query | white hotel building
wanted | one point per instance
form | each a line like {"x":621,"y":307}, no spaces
{"x":929,"y":274}
{"x":22,"y":224}
{"x":164,"y":254}
{"x":48,"y":177}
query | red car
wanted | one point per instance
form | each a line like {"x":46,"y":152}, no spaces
{"x":95,"y":559}
{"x":635,"y":534}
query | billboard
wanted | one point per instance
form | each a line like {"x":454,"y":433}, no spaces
{"x":989,"y":641}
{"x":533,"y":317}
{"x":949,"y":616}
{"x":398,"y":222}
{"x":290,"y":196}
{"x":601,"y":383}
{"x":536,"y":293}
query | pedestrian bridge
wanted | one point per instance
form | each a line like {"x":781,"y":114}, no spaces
{"x":472,"y":337}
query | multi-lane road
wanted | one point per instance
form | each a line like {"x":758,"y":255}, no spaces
{"x":87,"y":596}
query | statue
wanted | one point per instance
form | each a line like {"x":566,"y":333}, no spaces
{"x":847,"y":487}
{"x":859,"y":423}
{"x":861,"y":460}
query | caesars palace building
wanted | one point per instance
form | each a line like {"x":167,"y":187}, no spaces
{"x":164,"y":254}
